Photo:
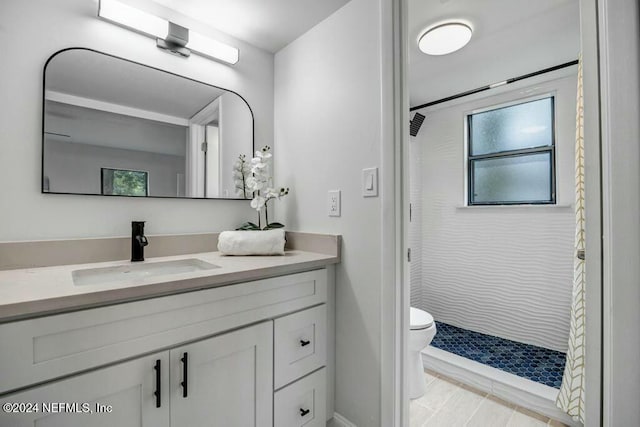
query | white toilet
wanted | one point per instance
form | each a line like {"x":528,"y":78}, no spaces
{"x":423,"y":329}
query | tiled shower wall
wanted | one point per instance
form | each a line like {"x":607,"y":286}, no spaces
{"x":503,"y":271}
{"x":415,"y":226}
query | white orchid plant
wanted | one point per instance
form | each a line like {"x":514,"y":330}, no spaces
{"x":257,"y":179}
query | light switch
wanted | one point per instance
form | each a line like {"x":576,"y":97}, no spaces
{"x":370,"y":182}
{"x":334,"y":203}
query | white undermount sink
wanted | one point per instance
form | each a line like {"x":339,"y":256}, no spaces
{"x":119,"y":273}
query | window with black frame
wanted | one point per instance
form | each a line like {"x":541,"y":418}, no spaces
{"x":123,"y":182}
{"x":511,"y":154}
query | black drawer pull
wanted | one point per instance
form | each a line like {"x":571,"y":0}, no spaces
{"x":158,"y":392}
{"x":185,"y":370}
{"x":304,"y":343}
{"x":304,"y":412}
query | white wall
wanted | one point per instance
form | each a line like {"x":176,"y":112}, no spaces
{"x":505,"y":271}
{"x":235,"y":139}
{"x":76,"y":168}
{"x":327,"y":129}
{"x":620,"y":67}
{"x":106,"y":129}
{"x":36,"y":29}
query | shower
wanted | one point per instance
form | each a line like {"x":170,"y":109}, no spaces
{"x":492,"y":195}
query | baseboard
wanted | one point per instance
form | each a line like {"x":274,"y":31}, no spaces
{"x":339,"y":421}
{"x":512,"y":388}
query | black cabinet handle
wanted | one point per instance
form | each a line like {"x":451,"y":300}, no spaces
{"x":158,"y":392}
{"x":304,"y":412}
{"x":185,"y":370}
{"x":304,"y":343}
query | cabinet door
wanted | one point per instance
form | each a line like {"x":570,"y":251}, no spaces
{"x":229,"y":380}
{"x":121,"y":395}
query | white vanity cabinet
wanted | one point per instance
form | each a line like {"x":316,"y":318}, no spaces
{"x":300,"y":344}
{"x":125,"y":392}
{"x":225,"y":380}
{"x":228,"y":383}
{"x":213,"y":357}
{"x":302,"y":403}
{"x":300,"y":357}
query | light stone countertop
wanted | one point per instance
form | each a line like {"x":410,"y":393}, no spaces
{"x":32,"y":292}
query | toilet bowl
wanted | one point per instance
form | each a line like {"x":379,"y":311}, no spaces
{"x":423,"y":329}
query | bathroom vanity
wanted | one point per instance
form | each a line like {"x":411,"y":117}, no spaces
{"x":247,"y":343}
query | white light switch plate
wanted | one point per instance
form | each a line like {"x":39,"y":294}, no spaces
{"x":370,"y":182}
{"x":334,"y":203}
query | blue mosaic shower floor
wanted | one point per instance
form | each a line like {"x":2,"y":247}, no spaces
{"x":528,"y":361}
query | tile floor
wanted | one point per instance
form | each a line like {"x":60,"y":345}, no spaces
{"x":449,"y":403}
{"x":527,"y":361}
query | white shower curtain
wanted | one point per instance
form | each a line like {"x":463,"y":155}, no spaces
{"x":571,"y":396}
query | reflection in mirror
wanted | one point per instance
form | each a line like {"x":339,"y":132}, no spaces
{"x":118,"y":128}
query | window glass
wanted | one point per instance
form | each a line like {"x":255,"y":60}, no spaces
{"x":119,"y":182}
{"x":511,"y":154}
{"x":514,"y":179}
{"x":516,"y":127}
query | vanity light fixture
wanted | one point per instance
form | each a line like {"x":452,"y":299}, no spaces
{"x":169,"y":36}
{"x":445,"y":38}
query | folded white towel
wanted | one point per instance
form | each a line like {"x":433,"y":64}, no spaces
{"x":267,"y":242}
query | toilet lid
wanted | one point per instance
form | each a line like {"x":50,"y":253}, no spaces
{"x":419,"y":319}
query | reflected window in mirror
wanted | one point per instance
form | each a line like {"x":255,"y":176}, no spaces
{"x":122,"y":182}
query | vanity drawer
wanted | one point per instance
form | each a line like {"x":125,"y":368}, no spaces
{"x":302,"y":403}
{"x":300,"y":344}
{"x":51,"y":347}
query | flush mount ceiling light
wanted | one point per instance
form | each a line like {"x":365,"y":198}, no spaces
{"x":445,"y":38}
{"x":171,"y":37}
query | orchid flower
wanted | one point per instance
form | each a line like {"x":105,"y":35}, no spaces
{"x":260,"y":182}
{"x":258,"y":202}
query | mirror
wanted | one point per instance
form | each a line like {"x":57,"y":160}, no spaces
{"x":114,"y":127}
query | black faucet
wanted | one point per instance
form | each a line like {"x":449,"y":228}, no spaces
{"x":138,"y":241}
